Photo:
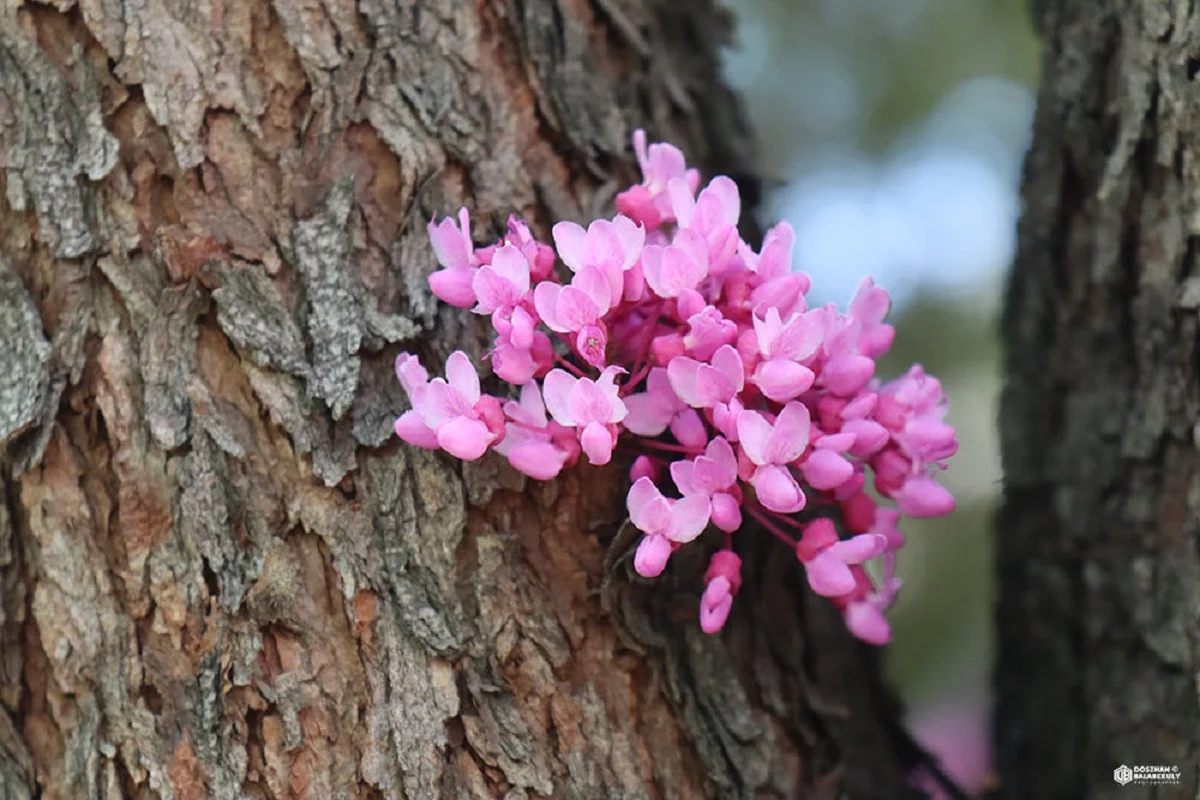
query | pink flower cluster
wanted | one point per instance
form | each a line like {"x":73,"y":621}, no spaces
{"x":702,"y":357}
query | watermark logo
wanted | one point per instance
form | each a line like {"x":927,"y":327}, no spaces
{"x":1147,"y":774}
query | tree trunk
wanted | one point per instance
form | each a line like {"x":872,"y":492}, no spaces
{"x":1099,"y":614}
{"x":222,"y":575}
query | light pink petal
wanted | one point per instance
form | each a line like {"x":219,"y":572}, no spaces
{"x":688,"y":428}
{"x":461,"y":374}
{"x":867,"y":622}
{"x":492,"y":291}
{"x":412,"y":429}
{"x":681,"y":270}
{"x":681,"y":474}
{"x":690,"y":516}
{"x":776,"y":257}
{"x":727,"y":361}
{"x":604,"y":248}
{"x":576,"y":309}
{"x":569,"y":241}
{"x":652,"y":555}
{"x":410,"y":372}
{"x":589,"y":403}
{"x":522,"y":331}
{"x":511,"y":265}
{"x":718,"y":205}
{"x":858,"y":549}
{"x":439,"y":403}
{"x":754,"y":434}
{"x":790,"y":435}
{"x":683,"y":205}
{"x":531,"y":405}
{"x":641,"y":494}
{"x":593,"y":282}
{"x":597,"y":442}
{"x":633,"y":238}
{"x":768,"y":328}
{"x":454,"y":286}
{"x":538,"y":459}
{"x":829,"y":576}
{"x":782,"y":380}
{"x":556,"y":391}
{"x":870,"y":303}
{"x":683,"y":373}
{"x":647,"y":415}
{"x":720,"y":452}
{"x":465,"y":438}
{"x":800,"y":337}
{"x":777,"y":490}
{"x":450,"y":245}
{"x":545,"y":300}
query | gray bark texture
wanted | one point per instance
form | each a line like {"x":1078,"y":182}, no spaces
{"x":1099,"y":533}
{"x":220,"y":573}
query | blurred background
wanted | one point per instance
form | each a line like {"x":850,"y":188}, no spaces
{"x":893,"y":131}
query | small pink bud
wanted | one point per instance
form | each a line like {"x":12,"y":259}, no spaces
{"x":726,"y":512}
{"x":924,"y":497}
{"x":715,"y":605}
{"x":644,"y":467}
{"x":846,"y":373}
{"x":825,"y":469}
{"x":652,"y":555}
{"x":666,"y":347}
{"x":858,"y":513}
{"x":688,"y":428}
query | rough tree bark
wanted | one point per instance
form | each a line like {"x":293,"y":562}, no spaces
{"x":1099,"y":613}
{"x":221,"y":575}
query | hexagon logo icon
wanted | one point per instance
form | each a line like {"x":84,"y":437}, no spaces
{"x":1122,"y":774}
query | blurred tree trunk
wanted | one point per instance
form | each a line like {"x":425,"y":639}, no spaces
{"x":1099,"y":613}
{"x":222,"y":575}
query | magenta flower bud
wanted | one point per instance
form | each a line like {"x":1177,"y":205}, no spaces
{"x":644,"y":467}
{"x":846,"y":373}
{"x":924,"y":497}
{"x":891,"y":470}
{"x":488,"y":409}
{"x":858,"y":513}
{"x":726,"y":512}
{"x":715,"y":604}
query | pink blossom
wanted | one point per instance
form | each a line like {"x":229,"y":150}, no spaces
{"x":463,"y":421}
{"x":714,"y":476}
{"x":702,"y":385}
{"x":771,"y":447}
{"x":593,"y":407}
{"x":454,"y":251}
{"x":722,"y":581}
{"x":827,"y":559}
{"x":533,"y":444}
{"x":783,"y":345}
{"x":664,"y":522}
{"x":759,"y":399}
